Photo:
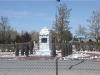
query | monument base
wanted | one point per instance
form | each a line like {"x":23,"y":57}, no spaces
{"x":43,"y":53}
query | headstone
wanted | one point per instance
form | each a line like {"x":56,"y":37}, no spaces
{"x":44,"y":42}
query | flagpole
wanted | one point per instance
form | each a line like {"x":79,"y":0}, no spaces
{"x":57,"y":4}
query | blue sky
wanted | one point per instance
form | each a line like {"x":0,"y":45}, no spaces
{"x":32,"y":15}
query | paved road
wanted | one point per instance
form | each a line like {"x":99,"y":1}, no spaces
{"x":48,"y":67}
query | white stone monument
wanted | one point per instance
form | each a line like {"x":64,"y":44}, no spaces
{"x":44,"y":43}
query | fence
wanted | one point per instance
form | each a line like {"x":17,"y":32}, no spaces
{"x":17,"y":47}
{"x":66,"y":48}
{"x":7,"y":47}
{"x":89,"y":46}
{"x":46,"y":66}
{"x":29,"y":48}
{"x":49,"y":67}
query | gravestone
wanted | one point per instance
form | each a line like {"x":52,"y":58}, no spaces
{"x":44,"y":43}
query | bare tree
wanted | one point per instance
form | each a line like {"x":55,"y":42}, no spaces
{"x":81,"y":31}
{"x":94,"y":25}
{"x":4,"y":28}
{"x":7,"y":34}
{"x":61,"y":26}
{"x":35,"y":36}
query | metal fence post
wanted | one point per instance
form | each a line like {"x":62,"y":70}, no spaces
{"x":56,"y":66}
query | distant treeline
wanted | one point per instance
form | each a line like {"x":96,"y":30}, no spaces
{"x":8,"y":35}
